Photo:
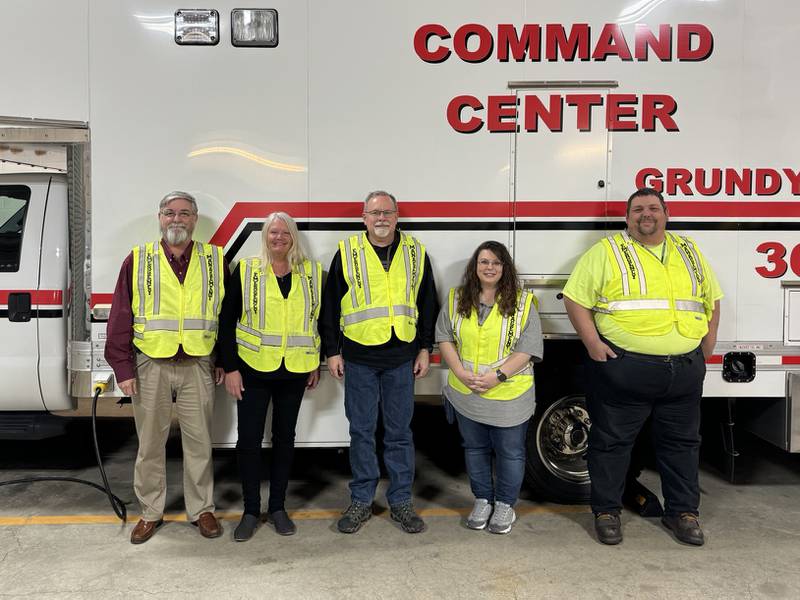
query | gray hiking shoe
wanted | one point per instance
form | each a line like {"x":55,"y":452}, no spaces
{"x":503,"y":518}
{"x":408,"y":518}
{"x":354,"y":517}
{"x":479,"y":517}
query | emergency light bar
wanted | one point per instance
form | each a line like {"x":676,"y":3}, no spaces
{"x":196,"y":27}
{"x":255,"y":27}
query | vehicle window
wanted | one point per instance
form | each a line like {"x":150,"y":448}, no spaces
{"x":13,"y":208}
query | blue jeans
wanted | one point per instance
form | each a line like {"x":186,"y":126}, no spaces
{"x":365,"y":388}
{"x":508,"y":444}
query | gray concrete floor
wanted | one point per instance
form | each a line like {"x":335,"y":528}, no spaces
{"x":62,"y":541}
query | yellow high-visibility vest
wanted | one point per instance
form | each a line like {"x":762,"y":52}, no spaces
{"x":273,"y":328}
{"x":378,"y":301}
{"x":168,"y":314}
{"x":648,"y":297}
{"x":486,"y":347}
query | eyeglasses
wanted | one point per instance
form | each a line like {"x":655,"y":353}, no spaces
{"x":485,"y":262}
{"x":170,"y":214}
{"x":381,"y":213}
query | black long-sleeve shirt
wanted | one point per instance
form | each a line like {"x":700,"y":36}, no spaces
{"x":394,"y":352}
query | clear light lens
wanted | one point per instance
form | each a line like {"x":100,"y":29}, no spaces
{"x":196,"y":27}
{"x":254,"y":27}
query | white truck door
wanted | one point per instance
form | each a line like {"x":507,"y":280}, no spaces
{"x":560,"y":181}
{"x":32,"y":292}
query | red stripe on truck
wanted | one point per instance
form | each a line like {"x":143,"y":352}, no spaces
{"x":40,"y":297}
{"x":476,"y":209}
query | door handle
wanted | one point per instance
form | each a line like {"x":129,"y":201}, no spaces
{"x":19,"y":307}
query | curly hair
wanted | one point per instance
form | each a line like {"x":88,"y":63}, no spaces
{"x":469,"y":293}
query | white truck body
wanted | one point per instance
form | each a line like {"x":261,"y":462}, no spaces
{"x":695,"y":96}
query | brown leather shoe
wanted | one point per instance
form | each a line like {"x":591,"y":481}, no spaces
{"x":208,"y":525}
{"x":144,"y":530}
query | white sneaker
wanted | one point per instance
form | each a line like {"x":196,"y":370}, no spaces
{"x":502,"y":519}
{"x":480,"y":514}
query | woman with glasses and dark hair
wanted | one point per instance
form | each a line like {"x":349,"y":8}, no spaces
{"x":270,"y":350}
{"x":488,"y":334}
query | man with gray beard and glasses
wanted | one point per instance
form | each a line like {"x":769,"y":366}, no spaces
{"x":161,"y":334}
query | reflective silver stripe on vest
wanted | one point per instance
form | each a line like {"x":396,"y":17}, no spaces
{"x":217,"y":278}
{"x":271,"y":340}
{"x":420,"y":266}
{"x":407,"y":260}
{"x":138,"y":336}
{"x":295,"y":341}
{"x":139,"y":320}
{"x":638,"y":305}
{"x":457,"y":319}
{"x":204,"y":270}
{"x":697,"y":261}
{"x":200,"y":324}
{"x":140,"y":277}
{"x":246,"y":329}
{"x":306,"y":294}
{"x":689,"y":268}
{"x":157,"y":278}
{"x":402,"y":309}
{"x":348,"y":249}
{"x":690,"y":305}
{"x":262,"y":297}
{"x":523,"y":300}
{"x":366,"y":314}
{"x":453,"y":314}
{"x":526,"y":369}
{"x":247,"y":345}
{"x":626,"y":290}
{"x":362,"y":257}
{"x":314,"y":291}
{"x":637,"y":262}
{"x":599,"y":309}
{"x":162,"y":325}
{"x":503,"y":330}
{"x":247,"y":299}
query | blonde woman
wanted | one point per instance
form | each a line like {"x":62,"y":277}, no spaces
{"x":269,"y":349}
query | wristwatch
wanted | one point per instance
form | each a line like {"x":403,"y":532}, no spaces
{"x":501,"y":377}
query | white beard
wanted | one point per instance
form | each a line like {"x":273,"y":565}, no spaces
{"x":176,"y":235}
{"x":382,"y":232}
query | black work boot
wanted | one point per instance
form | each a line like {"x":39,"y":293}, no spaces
{"x":608,"y":528}
{"x":686,"y":528}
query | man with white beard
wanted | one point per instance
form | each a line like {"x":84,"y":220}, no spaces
{"x":377,"y":322}
{"x":161,"y":334}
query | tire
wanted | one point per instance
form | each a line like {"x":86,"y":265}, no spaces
{"x":556,"y":451}
{"x":558,"y":433}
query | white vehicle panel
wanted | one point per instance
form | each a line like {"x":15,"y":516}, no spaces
{"x":45,"y":48}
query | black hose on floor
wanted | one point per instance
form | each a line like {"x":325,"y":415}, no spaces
{"x":116,"y":503}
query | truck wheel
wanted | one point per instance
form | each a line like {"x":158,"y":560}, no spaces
{"x":558,"y":436}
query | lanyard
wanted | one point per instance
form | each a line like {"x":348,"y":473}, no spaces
{"x":663,"y":249}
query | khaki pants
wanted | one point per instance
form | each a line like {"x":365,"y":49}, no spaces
{"x":192,"y":381}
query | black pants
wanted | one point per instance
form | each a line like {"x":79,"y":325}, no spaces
{"x":286,"y":396}
{"x":622,"y":394}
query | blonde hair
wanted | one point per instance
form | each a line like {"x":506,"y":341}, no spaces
{"x":296,"y":254}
